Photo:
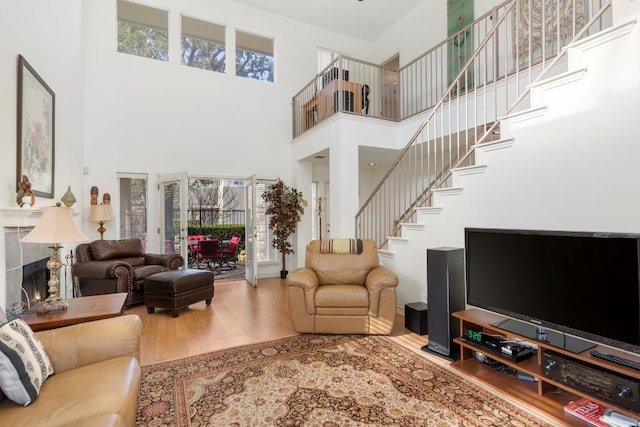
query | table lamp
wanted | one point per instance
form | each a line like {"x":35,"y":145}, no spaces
{"x":56,"y":226}
{"x":101,"y":214}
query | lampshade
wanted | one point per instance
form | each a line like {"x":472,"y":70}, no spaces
{"x":55,"y":226}
{"x":101,"y":213}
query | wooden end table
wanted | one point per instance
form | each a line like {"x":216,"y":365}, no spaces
{"x":82,"y":309}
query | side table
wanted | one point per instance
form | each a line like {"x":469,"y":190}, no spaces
{"x":82,"y":309}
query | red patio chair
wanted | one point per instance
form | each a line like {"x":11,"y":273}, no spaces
{"x":209,"y":252}
{"x":192,"y":248}
{"x":230,"y":253}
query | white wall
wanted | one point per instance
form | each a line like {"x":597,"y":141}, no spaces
{"x":49,"y":36}
{"x":423,"y":27}
{"x":148,"y":116}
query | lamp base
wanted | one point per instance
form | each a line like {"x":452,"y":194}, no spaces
{"x":53,"y":303}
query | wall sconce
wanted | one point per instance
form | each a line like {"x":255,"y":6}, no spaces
{"x":101,"y":214}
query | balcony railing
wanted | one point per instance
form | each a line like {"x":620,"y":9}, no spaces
{"x":380,"y":92}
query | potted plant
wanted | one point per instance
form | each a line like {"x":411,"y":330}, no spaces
{"x":285,"y":206}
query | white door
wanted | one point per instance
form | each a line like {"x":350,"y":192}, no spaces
{"x":173,"y":190}
{"x":251,"y":232}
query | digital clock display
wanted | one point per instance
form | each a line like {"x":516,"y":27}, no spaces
{"x":474,"y":336}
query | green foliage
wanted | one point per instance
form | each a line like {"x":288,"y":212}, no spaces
{"x":203,"y":54}
{"x":284,"y":206}
{"x":143,"y":41}
{"x":254,"y":65}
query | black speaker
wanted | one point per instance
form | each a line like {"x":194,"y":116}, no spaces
{"x":415,"y":317}
{"x":445,"y":295}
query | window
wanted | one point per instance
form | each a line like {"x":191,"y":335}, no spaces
{"x":254,"y":56}
{"x":143,"y":31}
{"x":133,"y":206}
{"x":203,"y":45}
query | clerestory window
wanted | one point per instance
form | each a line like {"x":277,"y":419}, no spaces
{"x":254,"y":56}
{"x":203,"y":45}
{"x":143,"y":31}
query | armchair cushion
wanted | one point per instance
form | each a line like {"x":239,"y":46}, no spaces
{"x":102,"y":250}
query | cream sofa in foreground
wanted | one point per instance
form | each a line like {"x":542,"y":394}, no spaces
{"x":96,"y":381}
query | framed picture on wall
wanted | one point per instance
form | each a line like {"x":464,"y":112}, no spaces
{"x":36,"y":130}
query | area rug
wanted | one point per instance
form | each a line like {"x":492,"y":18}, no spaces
{"x":317,"y":380}
{"x":231,"y":275}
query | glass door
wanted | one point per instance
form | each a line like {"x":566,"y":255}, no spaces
{"x":251,"y":232}
{"x":173,"y":214}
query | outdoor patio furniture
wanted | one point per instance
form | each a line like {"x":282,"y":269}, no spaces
{"x":210,"y":254}
{"x":230,"y":253}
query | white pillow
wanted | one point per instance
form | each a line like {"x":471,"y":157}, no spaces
{"x":24,"y":365}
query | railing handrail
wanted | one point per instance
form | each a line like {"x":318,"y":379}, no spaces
{"x":500,"y":80}
{"x":442,"y":100}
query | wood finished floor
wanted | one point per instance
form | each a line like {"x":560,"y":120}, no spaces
{"x":238,"y":315}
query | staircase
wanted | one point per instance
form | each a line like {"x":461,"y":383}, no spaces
{"x":564,"y":144}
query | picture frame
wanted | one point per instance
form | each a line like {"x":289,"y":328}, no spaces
{"x":36,"y":131}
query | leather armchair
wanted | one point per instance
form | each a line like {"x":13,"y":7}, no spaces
{"x":342,"y":293}
{"x":110,"y":266}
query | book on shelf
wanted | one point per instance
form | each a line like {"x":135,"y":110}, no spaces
{"x":586,"y":410}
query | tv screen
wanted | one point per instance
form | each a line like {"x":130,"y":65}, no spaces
{"x":584,"y":284}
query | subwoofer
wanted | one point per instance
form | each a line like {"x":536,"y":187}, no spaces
{"x":445,"y":295}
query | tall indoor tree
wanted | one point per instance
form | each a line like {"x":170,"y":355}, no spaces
{"x":284,"y":205}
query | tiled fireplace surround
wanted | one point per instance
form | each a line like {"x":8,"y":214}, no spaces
{"x":16,"y":223}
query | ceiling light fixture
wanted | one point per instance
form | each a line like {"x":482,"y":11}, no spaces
{"x":371,"y":164}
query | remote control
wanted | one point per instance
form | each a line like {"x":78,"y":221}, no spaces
{"x":616,"y":359}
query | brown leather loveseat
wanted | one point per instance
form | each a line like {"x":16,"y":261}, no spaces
{"x":342,"y":293}
{"x":110,"y":266}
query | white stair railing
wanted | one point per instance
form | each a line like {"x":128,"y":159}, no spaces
{"x":525,"y":44}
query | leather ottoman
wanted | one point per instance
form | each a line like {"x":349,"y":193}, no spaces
{"x":176,"y":289}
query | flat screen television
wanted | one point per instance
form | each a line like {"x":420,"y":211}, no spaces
{"x":578,"y":284}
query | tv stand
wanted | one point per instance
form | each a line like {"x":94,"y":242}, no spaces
{"x":545,"y":335}
{"x":616,"y":359}
{"x":544,"y":394}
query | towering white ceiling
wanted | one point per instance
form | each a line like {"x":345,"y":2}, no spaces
{"x":366,"y":19}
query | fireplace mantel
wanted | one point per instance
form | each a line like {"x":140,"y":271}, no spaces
{"x":23,"y":217}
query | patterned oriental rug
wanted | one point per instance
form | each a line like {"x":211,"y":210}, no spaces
{"x":317,"y":380}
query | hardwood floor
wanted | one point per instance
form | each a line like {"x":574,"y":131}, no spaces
{"x":238,"y":315}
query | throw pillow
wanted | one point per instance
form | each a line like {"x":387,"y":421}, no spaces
{"x":24,"y":364}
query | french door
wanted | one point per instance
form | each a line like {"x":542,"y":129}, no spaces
{"x":173,"y":190}
{"x":251,"y":231}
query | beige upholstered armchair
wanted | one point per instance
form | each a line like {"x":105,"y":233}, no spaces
{"x":342,"y":293}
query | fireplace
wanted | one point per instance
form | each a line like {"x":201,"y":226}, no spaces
{"x":35,"y":279}
{"x":23,"y":260}
{"x":17,"y":223}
